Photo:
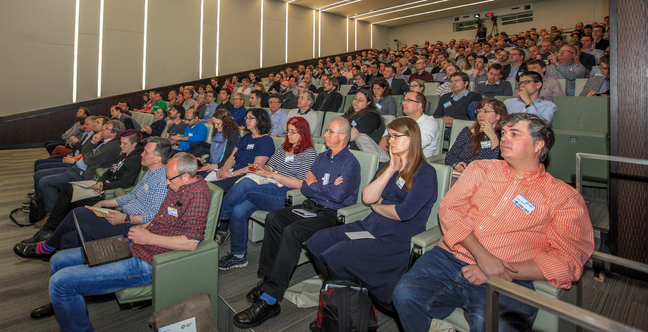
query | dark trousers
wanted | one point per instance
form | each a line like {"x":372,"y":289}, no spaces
{"x":285,"y":233}
{"x":92,"y":227}
{"x":64,"y":205}
{"x":51,"y":145}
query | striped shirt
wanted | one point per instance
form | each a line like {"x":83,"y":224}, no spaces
{"x":147,"y":196}
{"x":294,"y":166}
{"x":557,"y":234}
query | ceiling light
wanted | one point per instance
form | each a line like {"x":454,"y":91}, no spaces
{"x":336,"y":5}
{"x":400,"y":10}
{"x":434,"y":11}
{"x":388,"y":8}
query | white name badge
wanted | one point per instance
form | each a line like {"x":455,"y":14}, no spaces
{"x":172,"y":211}
{"x":524,"y":204}
{"x":447,"y":104}
{"x":354,"y":123}
{"x":190,"y":134}
{"x":378,"y":106}
{"x":146,"y":187}
{"x":485,"y":144}
{"x":289,"y":158}
{"x":250,"y":146}
{"x":325,"y":179}
{"x":400,"y":182}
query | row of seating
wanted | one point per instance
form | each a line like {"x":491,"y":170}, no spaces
{"x":144,"y":119}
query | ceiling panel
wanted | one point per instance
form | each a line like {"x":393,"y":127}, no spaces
{"x":425,"y":9}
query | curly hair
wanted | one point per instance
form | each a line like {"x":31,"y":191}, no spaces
{"x":229,"y":125}
{"x":479,"y":136}
{"x":305,"y":139}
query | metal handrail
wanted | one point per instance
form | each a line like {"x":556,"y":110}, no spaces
{"x":581,"y":155}
{"x":637,"y":266}
{"x":566,"y":311}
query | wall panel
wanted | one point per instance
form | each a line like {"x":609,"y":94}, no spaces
{"x":274,"y":33}
{"x":239,"y":35}
{"x":333,"y":30}
{"x":300,"y":33}
{"x":209,"y":38}
{"x":364,"y":35}
{"x":88,"y":57}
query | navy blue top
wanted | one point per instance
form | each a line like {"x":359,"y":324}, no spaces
{"x":238,"y":113}
{"x":461,"y":151}
{"x":249,"y":148}
{"x":334,"y":197}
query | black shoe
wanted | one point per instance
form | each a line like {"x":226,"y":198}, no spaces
{"x":28,"y":250}
{"x":256,"y":292}
{"x":258,"y":313}
{"x":42,"y":312}
{"x":313,"y":326}
{"x":42,"y":235}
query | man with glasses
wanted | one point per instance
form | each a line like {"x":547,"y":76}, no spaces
{"x":239,"y":111}
{"x":587,"y":42}
{"x":494,"y":85}
{"x":277,"y":115}
{"x":304,"y":110}
{"x":550,"y":86}
{"x":195,"y":131}
{"x":565,"y":67}
{"x":421,"y":73}
{"x":599,"y":85}
{"x":333,"y":183}
{"x":329,"y":100}
{"x":515,"y":66}
{"x":528,"y":100}
{"x":175,"y":126}
{"x":414,"y":108}
{"x":455,"y":105}
{"x":599,"y":42}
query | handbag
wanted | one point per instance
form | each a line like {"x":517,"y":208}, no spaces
{"x":196,"y":309}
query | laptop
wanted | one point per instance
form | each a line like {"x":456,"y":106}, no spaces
{"x":104,"y":251}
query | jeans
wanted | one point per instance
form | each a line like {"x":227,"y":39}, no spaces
{"x":241,"y":201}
{"x":435,"y":287}
{"x":72,"y":280}
{"x":51,"y":160}
{"x":49,"y":186}
{"x":39,"y":175}
{"x":92,"y":227}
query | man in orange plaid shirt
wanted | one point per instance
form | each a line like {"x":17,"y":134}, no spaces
{"x":506,"y":218}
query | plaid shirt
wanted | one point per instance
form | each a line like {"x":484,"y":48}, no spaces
{"x":147,"y":196}
{"x":182,"y":213}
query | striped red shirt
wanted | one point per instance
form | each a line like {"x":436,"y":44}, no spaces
{"x":557,"y":234}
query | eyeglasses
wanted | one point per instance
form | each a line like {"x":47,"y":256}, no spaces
{"x":525,"y":82}
{"x":484,"y":112}
{"x":415,"y":86}
{"x":394,"y":136}
{"x":329,"y":131}
{"x":175,"y":177}
{"x":409,"y":100}
{"x":561,"y":51}
{"x":292,"y":132}
{"x":190,"y":118}
{"x":238,"y":99}
{"x":250,"y":118}
{"x":274,"y":102}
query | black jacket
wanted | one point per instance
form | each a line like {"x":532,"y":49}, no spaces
{"x":124,"y":175}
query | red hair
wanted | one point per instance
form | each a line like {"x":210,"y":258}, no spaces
{"x":305,"y":139}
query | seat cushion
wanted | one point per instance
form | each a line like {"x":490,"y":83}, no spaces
{"x":135,"y":294}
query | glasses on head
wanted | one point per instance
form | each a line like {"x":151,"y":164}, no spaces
{"x":409,"y":100}
{"x":292,"y":132}
{"x":389,"y":136}
{"x":250,"y":118}
{"x":329,"y":131}
{"x":175,"y":177}
{"x":525,"y":82}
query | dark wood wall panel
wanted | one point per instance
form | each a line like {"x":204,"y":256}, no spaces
{"x":31,"y":129}
{"x":629,"y":111}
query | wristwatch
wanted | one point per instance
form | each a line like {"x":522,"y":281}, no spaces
{"x":127,"y":220}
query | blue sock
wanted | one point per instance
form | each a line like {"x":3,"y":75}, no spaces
{"x":269,"y":299}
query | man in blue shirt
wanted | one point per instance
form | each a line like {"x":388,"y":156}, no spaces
{"x":332,"y":183}
{"x":211,"y":106}
{"x":454,"y":105}
{"x":195,"y":131}
{"x":277,"y":114}
{"x":528,"y":101}
{"x":238,"y":112}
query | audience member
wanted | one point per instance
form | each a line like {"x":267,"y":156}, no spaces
{"x":447,"y":86}
{"x":194,"y":132}
{"x":599,"y":85}
{"x":176,"y":124}
{"x":494,"y":85}
{"x":129,"y":123}
{"x":565,"y":67}
{"x":421,"y":73}
{"x":189,"y":102}
{"x":305,"y":110}
{"x":550,"y":86}
{"x":587,"y":48}
{"x":364,"y":118}
{"x":381,"y":97}
{"x":528,"y":100}
{"x":225,"y":102}
{"x":238,"y":112}
{"x":157,"y":127}
{"x":455,"y":105}
{"x":329,"y":100}
{"x":225,"y":137}
{"x":599,"y":42}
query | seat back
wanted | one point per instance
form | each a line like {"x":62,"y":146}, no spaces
{"x":579,"y":85}
{"x":320,"y":119}
{"x":278,"y":141}
{"x":399,"y":105}
{"x":457,"y":125}
{"x":430,"y":87}
{"x":265,"y":81}
{"x":388,"y":119}
{"x":434,"y":101}
{"x":210,"y":130}
{"x":319,"y":147}
{"x":444,"y":179}
{"x":246,"y":101}
{"x":344,"y":89}
{"x":441,"y":138}
{"x":563,"y":83}
{"x":471,"y":86}
{"x":327,"y":118}
{"x":137,"y":116}
{"x":561,"y":161}
{"x":502,"y":98}
{"x":145,"y":119}
{"x":348,"y":100}
{"x":215,"y":202}
{"x":368,"y":167}
{"x":582,"y":113}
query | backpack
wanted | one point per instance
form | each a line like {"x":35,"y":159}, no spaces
{"x":345,"y":306}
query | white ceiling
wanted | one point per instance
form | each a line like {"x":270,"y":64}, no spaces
{"x":433,"y":9}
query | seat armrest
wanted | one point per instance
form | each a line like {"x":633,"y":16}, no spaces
{"x":175,"y":255}
{"x":294,"y":197}
{"x":428,"y":239}
{"x":439,"y":159}
{"x":352,"y":213}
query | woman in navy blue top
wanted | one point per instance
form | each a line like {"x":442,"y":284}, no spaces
{"x":401,"y":196}
{"x":485,"y":144}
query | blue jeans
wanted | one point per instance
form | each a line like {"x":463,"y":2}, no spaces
{"x":49,"y":186}
{"x":72,"y":280}
{"x":39,"y":175}
{"x":51,"y":160}
{"x":241,"y":201}
{"x":435,"y":287}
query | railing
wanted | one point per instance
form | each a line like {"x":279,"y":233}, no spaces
{"x":580,"y":156}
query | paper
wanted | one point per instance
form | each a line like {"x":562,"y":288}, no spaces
{"x":187,"y":325}
{"x":84,"y":184}
{"x":79,"y":192}
{"x":359,"y":235}
{"x":212,"y":176}
{"x":100,"y":212}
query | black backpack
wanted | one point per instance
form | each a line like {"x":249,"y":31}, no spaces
{"x":345,"y":306}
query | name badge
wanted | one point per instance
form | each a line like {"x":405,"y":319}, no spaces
{"x":172,"y":211}
{"x":524,"y":204}
{"x":250,"y":146}
{"x":378,"y":106}
{"x":400,"y":182}
{"x":325,"y":179}
{"x":485,"y":144}
{"x":146,"y":187}
{"x":289,"y":158}
{"x":190,"y":134}
{"x":447,"y":104}
{"x":354,"y":123}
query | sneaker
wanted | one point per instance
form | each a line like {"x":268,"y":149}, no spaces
{"x":230,"y":261}
{"x":222,"y":237}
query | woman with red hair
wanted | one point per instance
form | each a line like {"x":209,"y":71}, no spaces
{"x":265,"y":187}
